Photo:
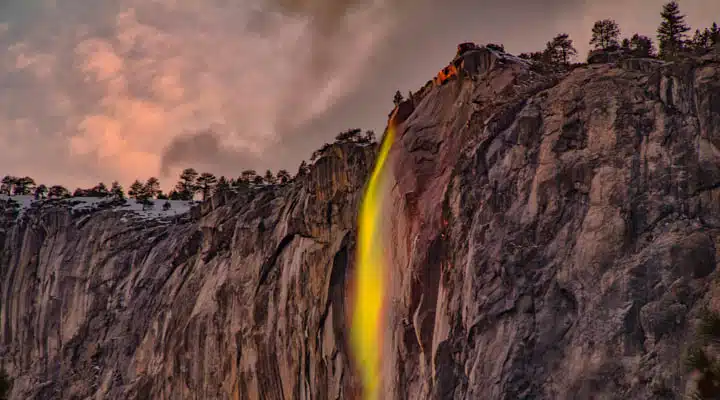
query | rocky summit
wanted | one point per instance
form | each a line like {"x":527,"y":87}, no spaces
{"x":552,"y":235}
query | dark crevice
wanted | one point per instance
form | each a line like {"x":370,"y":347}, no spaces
{"x":329,"y":213}
{"x":270,"y":262}
{"x":706,"y":188}
{"x":666,"y":212}
{"x":308,"y":383}
{"x":335,"y":302}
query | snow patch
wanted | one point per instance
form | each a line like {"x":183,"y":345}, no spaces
{"x":157,"y":210}
{"x":517,"y":59}
{"x":23,"y":202}
{"x":134,"y":209}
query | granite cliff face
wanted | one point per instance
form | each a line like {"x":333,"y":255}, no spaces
{"x":552,"y":236}
{"x":245,"y":297}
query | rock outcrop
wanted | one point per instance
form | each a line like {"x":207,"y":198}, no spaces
{"x":553,"y":237}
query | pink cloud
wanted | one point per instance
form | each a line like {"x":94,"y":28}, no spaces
{"x":158,"y":80}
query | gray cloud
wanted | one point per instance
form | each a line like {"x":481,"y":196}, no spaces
{"x":203,"y":151}
{"x":326,"y":15}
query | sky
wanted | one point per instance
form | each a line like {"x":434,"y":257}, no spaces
{"x":109,"y":90}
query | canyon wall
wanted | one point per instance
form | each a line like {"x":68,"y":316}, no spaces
{"x":551,"y":236}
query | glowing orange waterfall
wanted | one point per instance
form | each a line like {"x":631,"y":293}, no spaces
{"x":371,"y":267}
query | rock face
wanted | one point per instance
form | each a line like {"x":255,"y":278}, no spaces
{"x":576,"y":239}
{"x":553,"y":237}
{"x":244,"y":301}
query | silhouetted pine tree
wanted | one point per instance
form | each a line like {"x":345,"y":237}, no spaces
{"x":269,"y":177}
{"x":398,"y":98}
{"x":187,"y":187}
{"x":99,"y":190}
{"x":206,"y":183}
{"x":174,"y":195}
{"x":641,"y":46}
{"x":116,"y":190}
{"x":671,"y":32}
{"x":605,"y":34}
{"x":560,"y":49}
{"x":136,"y":189}
{"x":24,"y":186}
{"x":303,"y":169}
{"x":58,"y":192}
{"x":714,"y":34}
{"x":248,"y":175}
{"x":8,"y":184}
{"x":41,"y":192}
{"x":283,"y":176}
{"x":151,"y":188}
{"x":223,"y":186}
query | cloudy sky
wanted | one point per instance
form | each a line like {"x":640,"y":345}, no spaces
{"x":122,"y":89}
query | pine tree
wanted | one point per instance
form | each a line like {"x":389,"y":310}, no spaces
{"x":541,"y":56}
{"x":100,"y":190}
{"x":136,"y":189}
{"x":704,"y":39}
{"x":7,"y":185}
{"x":58,"y":192}
{"x":117,"y":191}
{"x":700,"y":42}
{"x":269,"y":177}
{"x":625,"y":45}
{"x":258,"y":180}
{"x":223,"y":186}
{"x":239,"y":183}
{"x":303,"y":169}
{"x":151,"y":188}
{"x":248,"y":175}
{"x":41,"y":192}
{"x":24,"y":186}
{"x":350,"y":135}
{"x":206,"y":182}
{"x":187,"y":186}
{"x":605,"y":34}
{"x":714,"y":34}
{"x":398,"y":98}
{"x":560,"y":49}
{"x":283,"y":176}
{"x":641,"y":46}
{"x":671,"y":32}
{"x":147,"y":202}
